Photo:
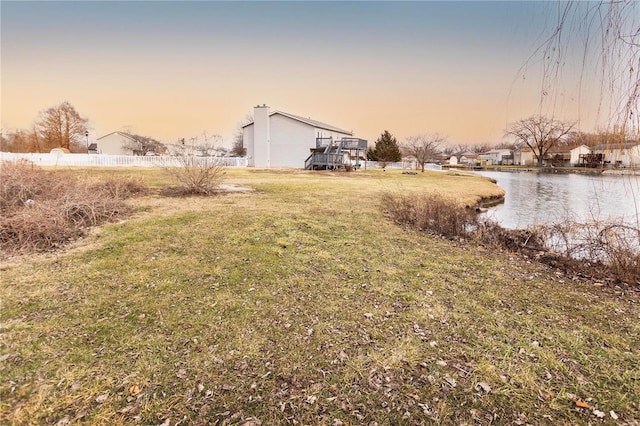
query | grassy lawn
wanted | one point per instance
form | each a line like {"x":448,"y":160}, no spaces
{"x":299,"y":302}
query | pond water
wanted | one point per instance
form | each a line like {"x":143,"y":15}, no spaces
{"x":540,"y":198}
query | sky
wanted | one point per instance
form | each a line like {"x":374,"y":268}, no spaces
{"x":173,"y":70}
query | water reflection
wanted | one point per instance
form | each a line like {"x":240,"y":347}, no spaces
{"x":536,"y":198}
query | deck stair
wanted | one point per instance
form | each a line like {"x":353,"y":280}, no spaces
{"x":330,"y":155}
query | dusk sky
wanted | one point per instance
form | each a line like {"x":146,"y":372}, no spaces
{"x":175,"y":69}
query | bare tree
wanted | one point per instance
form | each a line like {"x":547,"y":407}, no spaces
{"x":540,"y":134}
{"x":482,"y":147}
{"x":61,"y":126}
{"x":609,"y":32}
{"x":238,"y":147}
{"x":455,"y":150}
{"x":424,"y":147}
{"x":143,"y":145}
{"x":208,"y":144}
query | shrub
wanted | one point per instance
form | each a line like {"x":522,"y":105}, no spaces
{"x":432,"y":212}
{"x":602,"y":250}
{"x":194,"y":175}
{"x":41,"y":210}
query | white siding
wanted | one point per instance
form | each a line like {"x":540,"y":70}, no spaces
{"x":577,"y":151}
{"x":112,"y":144}
{"x":291,"y":141}
{"x":248,"y":142}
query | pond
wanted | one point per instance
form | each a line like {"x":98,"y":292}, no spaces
{"x":544,"y":198}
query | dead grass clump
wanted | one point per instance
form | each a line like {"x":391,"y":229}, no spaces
{"x":432,"y":212}
{"x":42,"y":210}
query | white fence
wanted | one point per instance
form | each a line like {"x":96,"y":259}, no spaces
{"x":101,"y":160}
{"x":401,"y":165}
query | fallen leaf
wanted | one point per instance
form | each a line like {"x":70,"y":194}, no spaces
{"x":200,"y":387}
{"x":484,"y":386}
{"x":182,"y":373}
{"x":102,"y":398}
{"x":582,"y":404}
{"x":450,"y":380}
{"x":134,"y":390}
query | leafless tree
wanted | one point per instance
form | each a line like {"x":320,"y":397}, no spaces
{"x":208,"y":144}
{"x":238,"y":147}
{"x":424,"y":147}
{"x":609,"y":32}
{"x":61,"y":126}
{"x":482,"y":147}
{"x":455,"y":150}
{"x":143,"y":145}
{"x":540,"y":134}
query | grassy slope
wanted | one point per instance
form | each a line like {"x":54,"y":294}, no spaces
{"x":301,"y":302}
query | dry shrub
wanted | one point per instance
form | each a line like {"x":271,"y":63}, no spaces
{"x":432,"y":212}
{"x":194,"y":175}
{"x":21,"y":181}
{"x":42,"y":210}
{"x":120,"y":187}
{"x":600,"y":250}
{"x":492,"y":234}
{"x":612,"y":248}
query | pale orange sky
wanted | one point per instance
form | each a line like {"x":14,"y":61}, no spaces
{"x":175,"y":69}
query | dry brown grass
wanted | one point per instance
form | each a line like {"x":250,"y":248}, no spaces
{"x":431,"y":211}
{"x":605,"y":251}
{"x":42,"y":210}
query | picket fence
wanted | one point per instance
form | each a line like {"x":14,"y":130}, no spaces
{"x":401,"y":165}
{"x":102,"y":160}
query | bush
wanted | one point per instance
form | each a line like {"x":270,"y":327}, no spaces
{"x":194,"y":175}
{"x":42,"y":210}
{"x":432,"y":212}
{"x":601,"y":250}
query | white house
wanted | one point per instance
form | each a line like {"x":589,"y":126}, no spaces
{"x":620,"y":155}
{"x":469,"y":158}
{"x":557,"y":156}
{"x":280,"y":139}
{"x":121,"y":143}
{"x":496,"y":157}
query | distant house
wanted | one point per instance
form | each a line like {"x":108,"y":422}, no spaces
{"x":558,"y":156}
{"x":468,"y":158}
{"x":121,"y":143}
{"x":620,"y":154}
{"x":496,"y":157}
{"x":280,"y":139}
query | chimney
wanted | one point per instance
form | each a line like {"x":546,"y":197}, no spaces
{"x":261,"y":136}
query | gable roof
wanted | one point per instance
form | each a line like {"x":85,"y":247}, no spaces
{"x":133,"y":138}
{"x":126,"y":135}
{"x":309,"y":121}
{"x":612,"y":146}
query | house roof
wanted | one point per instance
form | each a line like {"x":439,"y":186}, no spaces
{"x":610,"y":146}
{"x":133,"y":138}
{"x":309,"y":121}
{"x":126,"y":135}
